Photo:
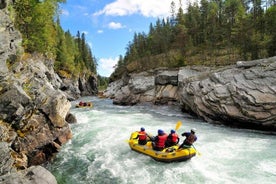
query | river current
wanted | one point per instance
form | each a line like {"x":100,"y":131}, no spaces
{"x":99,"y":153}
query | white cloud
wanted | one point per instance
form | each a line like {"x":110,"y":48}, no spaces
{"x":106,"y":66}
{"x":147,"y":8}
{"x":100,"y":31}
{"x":115,"y":25}
{"x":120,"y":8}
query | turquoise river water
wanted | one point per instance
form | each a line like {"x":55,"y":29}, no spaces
{"x":99,"y":154}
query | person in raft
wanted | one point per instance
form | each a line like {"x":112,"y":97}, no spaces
{"x":190,"y":139}
{"x":142,"y":136}
{"x":172,"y":139}
{"x":159,"y":141}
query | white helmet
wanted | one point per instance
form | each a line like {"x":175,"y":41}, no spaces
{"x":193,"y":130}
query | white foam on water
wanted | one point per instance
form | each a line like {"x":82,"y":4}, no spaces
{"x":99,"y":152}
{"x":267,"y":168}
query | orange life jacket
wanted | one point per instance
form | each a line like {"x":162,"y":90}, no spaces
{"x":160,"y":143}
{"x":142,"y":135}
{"x":174,"y":137}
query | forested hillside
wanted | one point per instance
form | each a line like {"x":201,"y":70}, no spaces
{"x":39,"y":24}
{"x":213,"y":32}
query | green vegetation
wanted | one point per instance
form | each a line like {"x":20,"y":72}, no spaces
{"x":218,"y":32}
{"x":214,"y":33}
{"x":39,"y":24}
{"x":102,"y":82}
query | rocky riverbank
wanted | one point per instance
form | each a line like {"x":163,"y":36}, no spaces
{"x":243,"y":95}
{"x":34,"y":108}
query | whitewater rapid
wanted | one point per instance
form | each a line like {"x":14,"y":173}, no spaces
{"x":99,"y":153}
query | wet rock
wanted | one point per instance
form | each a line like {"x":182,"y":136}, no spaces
{"x":70,"y":118}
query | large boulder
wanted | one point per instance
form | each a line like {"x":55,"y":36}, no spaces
{"x":32,"y":175}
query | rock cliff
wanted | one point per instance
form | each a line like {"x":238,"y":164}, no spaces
{"x":34,"y":108}
{"x":243,"y":95}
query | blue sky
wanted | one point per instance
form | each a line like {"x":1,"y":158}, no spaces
{"x":109,"y":25}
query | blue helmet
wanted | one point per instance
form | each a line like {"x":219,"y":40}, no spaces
{"x":172,"y":131}
{"x":142,"y":129}
{"x":160,"y":132}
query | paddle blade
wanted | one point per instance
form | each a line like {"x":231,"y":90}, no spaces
{"x":178,"y":125}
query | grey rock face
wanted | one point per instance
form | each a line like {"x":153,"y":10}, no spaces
{"x":243,"y":95}
{"x":167,"y":77}
{"x":26,"y":88}
{"x":88,"y":85}
{"x":6,"y":160}
{"x":157,"y":86}
{"x":10,"y":39}
{"x":83,"y":86}
{"x":34,"y":108}
{"x":33,"y":122}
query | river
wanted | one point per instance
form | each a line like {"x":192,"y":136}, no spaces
{"x":99,"y":154}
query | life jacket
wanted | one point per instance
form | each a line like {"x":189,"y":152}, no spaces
{"x":160,"y":143}
{"x":142,"y":135}
{"x":174,"y":137}
{"x":190,"y":139}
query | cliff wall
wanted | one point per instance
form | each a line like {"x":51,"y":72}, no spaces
{"x":34,"y":108}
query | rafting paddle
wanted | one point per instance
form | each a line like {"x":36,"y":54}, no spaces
{"x":199,"y":154}
{"x":178,"y":125}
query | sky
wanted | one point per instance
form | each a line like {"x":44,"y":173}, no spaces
{"x":109,"y":25}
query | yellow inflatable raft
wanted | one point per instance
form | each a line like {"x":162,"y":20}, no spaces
{"x":171,"y":154}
